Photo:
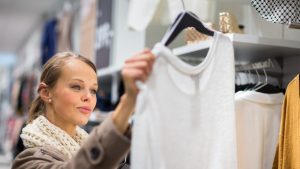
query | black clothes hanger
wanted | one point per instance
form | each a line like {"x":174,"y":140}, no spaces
{"x":270,"y":89}
{"x":183,"y":20}
{"x":266,"y":87}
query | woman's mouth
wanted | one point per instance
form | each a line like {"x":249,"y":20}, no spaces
{"x":85,"y":110}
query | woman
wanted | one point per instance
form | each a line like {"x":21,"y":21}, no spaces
{"x":66,"y":98}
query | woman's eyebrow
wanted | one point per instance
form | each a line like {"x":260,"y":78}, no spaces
{"x":76,"y":79}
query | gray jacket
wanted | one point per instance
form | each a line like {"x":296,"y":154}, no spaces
{"x":104,"y":149}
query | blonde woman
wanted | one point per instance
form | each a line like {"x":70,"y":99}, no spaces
{"x":66,"y":98}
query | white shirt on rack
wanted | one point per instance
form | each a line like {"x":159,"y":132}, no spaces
{"x":185,"y":115}
{"x":258,"y":122}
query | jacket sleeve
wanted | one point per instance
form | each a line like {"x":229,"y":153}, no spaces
{"x":104,"y":149}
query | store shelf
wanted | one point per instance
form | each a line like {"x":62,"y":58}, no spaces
{"x":249,"y":48}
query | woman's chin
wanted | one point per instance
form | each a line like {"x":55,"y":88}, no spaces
{"x":82,"y":122}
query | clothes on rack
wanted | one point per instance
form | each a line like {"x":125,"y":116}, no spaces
{"x":185,"y":115}
{"x":64,"y":31}
{"x":88,"y":28}
{"x":288,"y":149}
{"x":12,"y":131}
{"x":19,"y":147}
{"x":25,"y":93}
{"x":57,"y":34}
{"x":49,"y":40}
{"x":257,"y":122}
{"x":283,"y":11}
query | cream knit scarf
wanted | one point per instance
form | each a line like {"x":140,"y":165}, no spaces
{"x":41,"y":132}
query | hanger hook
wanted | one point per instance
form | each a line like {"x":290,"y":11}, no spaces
{"x":183,"y":6}
{"x":255,"y":67}
{"x":258,"y":77}
{"x":239,"y":78}
{"x":249,"y":76}
{"x":265,"y":75}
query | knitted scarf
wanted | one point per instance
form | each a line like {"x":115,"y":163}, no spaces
{"x":41,"y":132}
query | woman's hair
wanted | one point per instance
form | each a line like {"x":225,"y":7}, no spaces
{"x":50,"y":74}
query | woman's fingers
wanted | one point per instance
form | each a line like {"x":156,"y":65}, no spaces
{"x":143,"y":61}
{"x":136,"y":68}
{"x":132,"y":75}
{"x":146,"y":55}
{"x":141,"y":65}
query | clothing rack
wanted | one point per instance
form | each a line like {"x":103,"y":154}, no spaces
{"x":270,"y":69}
{"x":255,"y":66}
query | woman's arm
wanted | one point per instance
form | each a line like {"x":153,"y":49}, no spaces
{"x":136,"y":68}
{"x":104,"y":149}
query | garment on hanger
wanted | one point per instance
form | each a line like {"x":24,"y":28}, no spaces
{"x":142,"y":12}
{"x":49,"y":40}
{"x":88,"y":19}
{"x":184,"y":20}
{"x":278,"y":11}
{"x":288,"y":149}
{"x":184,"y":114}
{"x":64,"y":31}
{"x":257,"y":122}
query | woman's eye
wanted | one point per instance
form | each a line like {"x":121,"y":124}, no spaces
{"x":76,"y":87}
{"x":94,"y":92}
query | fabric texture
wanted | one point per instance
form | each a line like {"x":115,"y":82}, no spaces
{"x":288,"y":149}
{"x":257,"y":122}
{"x":41,"y":132}
{"x":278,"y":11}
{"x":184,"y":114}
{"x":103,"y":149}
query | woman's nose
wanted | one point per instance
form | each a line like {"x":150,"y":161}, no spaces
{"x":86,"y":96}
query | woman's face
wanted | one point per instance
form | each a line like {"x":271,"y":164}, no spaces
{"x":74,"y":95}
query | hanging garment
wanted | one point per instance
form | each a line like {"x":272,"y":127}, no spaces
{"x":88,"y":20}
{"x":142,"y":12}
{"x":184,"y":115}
{"x":257,"y":122}
{"x":278,"y":11}
{"x":64,"y":31}
{"x":49,"y":40}
{"x":147,"y":8}
{"x":288,"y":150}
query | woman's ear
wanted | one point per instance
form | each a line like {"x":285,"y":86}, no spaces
{"x":44,"y":92}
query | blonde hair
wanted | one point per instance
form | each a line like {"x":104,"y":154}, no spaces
{"x":50,"y":74}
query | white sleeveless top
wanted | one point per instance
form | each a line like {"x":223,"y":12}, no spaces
{"x":184,"y":115}
{"x":258,"y":123}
